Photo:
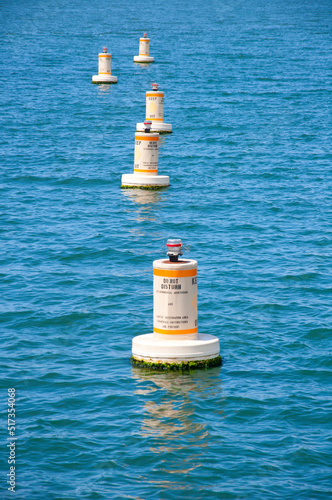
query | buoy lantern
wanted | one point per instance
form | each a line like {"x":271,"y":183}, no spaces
{"x":155,"y":111}
{"x":144,"y":50}
{"x":104,"y":69}
{"x":175,"y":341}
{"x":145,"y":174}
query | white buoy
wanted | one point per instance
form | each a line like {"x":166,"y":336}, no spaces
{"x":145,"y":174}
{"x":144,"y":50}
{"x":175,"y":339}
{"x":155,"y":111}
{"x":104,"y":69}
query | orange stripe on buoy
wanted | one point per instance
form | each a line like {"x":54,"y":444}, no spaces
{"x":154,"y":94}
{"x":155,"y":119}
{"x":150,"y":171}
{"x":175,"y":274}
{"x":145,"y":138}
{"x":104,"y":55}
{"x":175,"y":332}
{"x":104,"y":73}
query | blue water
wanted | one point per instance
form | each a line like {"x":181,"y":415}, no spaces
{"x":248,"y":92}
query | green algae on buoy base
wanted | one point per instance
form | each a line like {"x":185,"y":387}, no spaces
{"x":150,"y":188}
{"x":156,"y":127}
{"x":103,"y":82}
{"x":202,"y":364}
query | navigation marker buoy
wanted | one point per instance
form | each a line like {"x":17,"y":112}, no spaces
{"x":145,"y":174}
{"x":175,"y":341}
{"x":155,"y":111}
{"x":104,"y":69}
{"x":144,"y":49}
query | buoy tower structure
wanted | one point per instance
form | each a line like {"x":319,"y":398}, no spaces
{"x":104,"y":69}
{"x":145,"y":174}
{"x":144,"y":51}
{"x":155,"y":111}
{"x":175,"y":341}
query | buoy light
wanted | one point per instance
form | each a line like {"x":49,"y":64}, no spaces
{"x":147,"y":126}
{"x":174,"y":249}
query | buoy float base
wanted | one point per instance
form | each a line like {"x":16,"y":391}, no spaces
{"x":160,"y":127}
{"x":143,"y":59}
{"x":104,"y":79}
{"x":144,"y":181}
{"x":148,"y":350}
{"x":191,"y":365}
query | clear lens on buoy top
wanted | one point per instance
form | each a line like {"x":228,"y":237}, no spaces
{"x":104,"y":50}
{"x":174,"y":246}
{"x":155,"y":86}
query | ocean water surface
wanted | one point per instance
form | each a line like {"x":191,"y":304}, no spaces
{"x":248,"y":91}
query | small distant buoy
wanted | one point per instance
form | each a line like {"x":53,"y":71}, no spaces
{"x":155,"y":111}
{"x":145,"y":174}
{"x":144,"y":50}
{"x":104,"y":69}
{"x":175,"y":340}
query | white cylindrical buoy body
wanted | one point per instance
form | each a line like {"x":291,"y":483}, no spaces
{"x":144,"y":51}
{"x":175,"y":338}
{"x":104,"y":64}
{"x":146,"y":153}
{"x":145,"y":174}
{"x":104,"y":69}
{"x":155,"y":106}
{"x":144,"y":46}
{"x":175,"y":299}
